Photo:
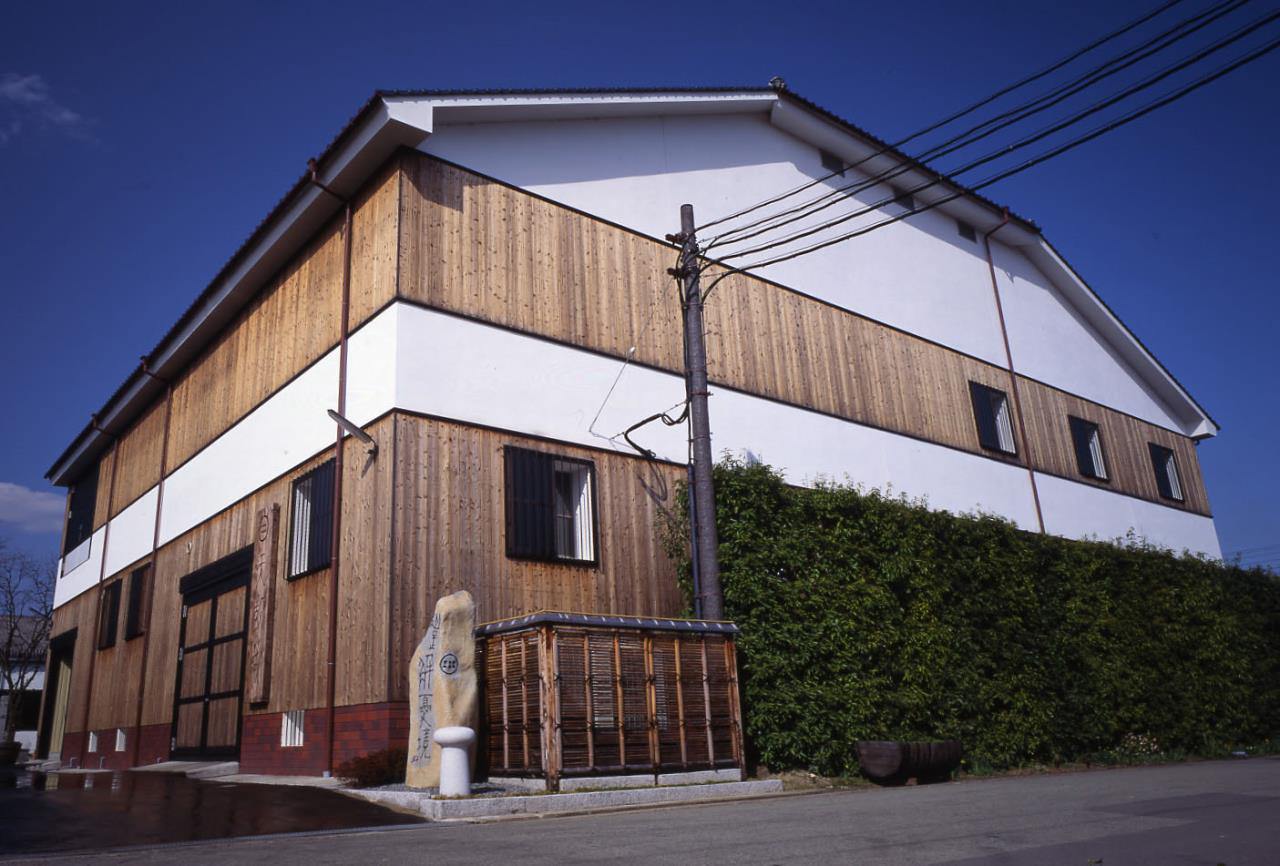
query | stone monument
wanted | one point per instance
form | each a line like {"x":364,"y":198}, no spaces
{"x":442,"y":685}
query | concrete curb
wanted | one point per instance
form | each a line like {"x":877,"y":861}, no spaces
{"x":480,"y":808}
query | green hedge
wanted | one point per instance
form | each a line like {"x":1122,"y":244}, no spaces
{"x":870,"y":617}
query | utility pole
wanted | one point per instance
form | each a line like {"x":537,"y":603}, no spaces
{"x":705,"y":540}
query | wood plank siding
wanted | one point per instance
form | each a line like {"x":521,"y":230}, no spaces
{"x":81,"y":614}
{"x":476,"y":247}
{"x":140,"y":449}
{"x":448,"y":534}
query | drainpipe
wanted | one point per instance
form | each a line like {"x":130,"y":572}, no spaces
{"x":155,"y":546}
{"x":1013,"y":376}
{"x":335,"y":544}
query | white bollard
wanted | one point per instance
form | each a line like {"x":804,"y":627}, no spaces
{"x":455,"y":760}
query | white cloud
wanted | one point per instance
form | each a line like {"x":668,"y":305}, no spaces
{"x":30,"y":510}
{"x":26,"y":98}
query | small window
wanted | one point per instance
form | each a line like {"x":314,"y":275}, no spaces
{"x":1165,"y":464}
{"x":904,"y":199}
{"x":832,"y":163}
{"x":93,"y":742}
{"x":966,"y":230}
{"x":311,"y":524}
{"x":135,"y":622}
{"x":991,"y":412}
{"x":119,"y":739}
{"x":1088,"y":443}
{"x":550,"y":503}
{"x":84,"y":499}
{"x":109,"y":614}
{"x":291,"y":729}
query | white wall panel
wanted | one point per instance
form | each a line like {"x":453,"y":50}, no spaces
{"x":479,"y":374}
{"x":1052,"y":342}
{"x":371,"y":368}
{"x":281,"y":433}
{"x":132,"y":532}
{"x":918,"y":275}
{"x":84,"y":575}
{"x":1082,"y":511}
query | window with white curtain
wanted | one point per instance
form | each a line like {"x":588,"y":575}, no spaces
{"x":550,"y":504}
{"x":1165,"y":464}
{"x":1088,"y":445}
{"x":991,"y":412}
{"x":311,"y":521}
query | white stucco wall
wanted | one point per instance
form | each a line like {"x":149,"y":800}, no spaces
{"x":1084,"y":511}
{"x":132,"y":532}
{"x":918,"y":275}
{"x":84,"y":575}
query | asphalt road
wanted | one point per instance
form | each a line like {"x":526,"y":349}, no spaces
{"x":1202,"y":813}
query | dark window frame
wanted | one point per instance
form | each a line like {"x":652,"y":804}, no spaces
{"x":1160,"y":459}
{"x":319,"y":550}
{"x":109,"y":614}
{"x":137,"y":611}
{"x":988,"y":428}
{"x":1082,"y":427}
{"x":529,"y":478}
{"x":82,"y":504}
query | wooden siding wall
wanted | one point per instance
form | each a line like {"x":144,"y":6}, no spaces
{"x":114,"y":698}
{"x":139,"y":450}
{"x":449,"y":524}
{"x":290,"y":325}
{"x":80,"y":613}
{"x":102,"y":506}
{"x":475,"y":247}
{"x":301,"y":638}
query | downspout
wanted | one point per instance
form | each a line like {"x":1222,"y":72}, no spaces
{"x":102,"y":573}
{"x":335,"y":543}
{"x":155,"y":547}
{"x":1013,"y":376}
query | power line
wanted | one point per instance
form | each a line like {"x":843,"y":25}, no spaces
{"x":1173,"y":96}
{"x":1183,"y":29}
{"x":1031,"y":139}
{"x":1054,"y":67}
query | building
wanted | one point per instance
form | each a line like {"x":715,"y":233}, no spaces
{"x":24,"y":648}
{"x":463,"y":278}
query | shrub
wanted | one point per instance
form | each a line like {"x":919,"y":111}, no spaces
{"x":866,"y":616}
{"x":385,"y":767}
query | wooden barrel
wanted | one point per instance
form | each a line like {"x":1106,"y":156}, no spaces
{"x":889,"y":762}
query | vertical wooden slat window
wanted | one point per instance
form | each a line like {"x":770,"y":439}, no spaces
{"x":84,"y":498}
{"x":109,"y":614}
{"x":311,"y":521}
{"x":135,"y":614}
{"x":991,"y":412}
{"x":1088,"y":447}
{"x":1165,"y":465}
{"x":550,"y":506}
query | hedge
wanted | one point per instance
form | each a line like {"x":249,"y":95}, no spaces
{"x":866,"y":616}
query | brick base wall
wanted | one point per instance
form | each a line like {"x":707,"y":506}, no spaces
{"x":153,"y":746}
{"x":358,"y":730}
{"x":71,"y":743}
{"x":107,"y":758}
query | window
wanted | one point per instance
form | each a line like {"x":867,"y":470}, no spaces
{"x":832,"y":163}
{"x":119,"y":739}
{"x":84,"y":498}
{"x":291,"y":729}
{"x":93,"y":742}
{"x":109,"y":614}
{"x":1088,"y":444}
{"x":991,"y":411}
{"x":1166,"y":466}
{"x":135,"y":614}
{"x":311,"y":525}
{"x":550,"y":506}
{"x":966,"y":230}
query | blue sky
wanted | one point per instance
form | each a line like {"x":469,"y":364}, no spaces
{"x":139,"y":145}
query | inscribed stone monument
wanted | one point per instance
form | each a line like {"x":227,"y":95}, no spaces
{"x":442,"y":685}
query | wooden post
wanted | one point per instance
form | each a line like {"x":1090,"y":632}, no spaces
{"x":262,"y":594}
{"x":506,"y":713}
{"x":684,"y":748}
{"x":735,"y":707}
{"x":706,"y":705}
{"x":550,"y":709}
{"x":651,"y":704}
{"x":620,"y":705}
{"x":591,"y":714}
{"x":524,"y":699}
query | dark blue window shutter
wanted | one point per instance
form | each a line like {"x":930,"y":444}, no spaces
{"x":529,"y":477}
{"x":320,"y":542}
{"x":84,"y":499}
{"x":984,"y":414}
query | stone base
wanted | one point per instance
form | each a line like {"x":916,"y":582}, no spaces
{"x":637,"y":780}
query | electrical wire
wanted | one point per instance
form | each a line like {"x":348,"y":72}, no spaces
{"x":1021,"y":143}
{"x":991,"y":126}
{"x":1054,"y":67}
{"x":1135,"y":114}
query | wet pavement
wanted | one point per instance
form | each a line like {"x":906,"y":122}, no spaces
{"x":42,"y":813}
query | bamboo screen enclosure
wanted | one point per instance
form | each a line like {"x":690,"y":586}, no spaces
{"x":593,"y":695}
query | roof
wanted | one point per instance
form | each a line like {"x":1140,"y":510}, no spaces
{"x":386,"y":120}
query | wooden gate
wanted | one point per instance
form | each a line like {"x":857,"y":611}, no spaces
{"x":209,"y":693}
{"x":589,"y":695}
